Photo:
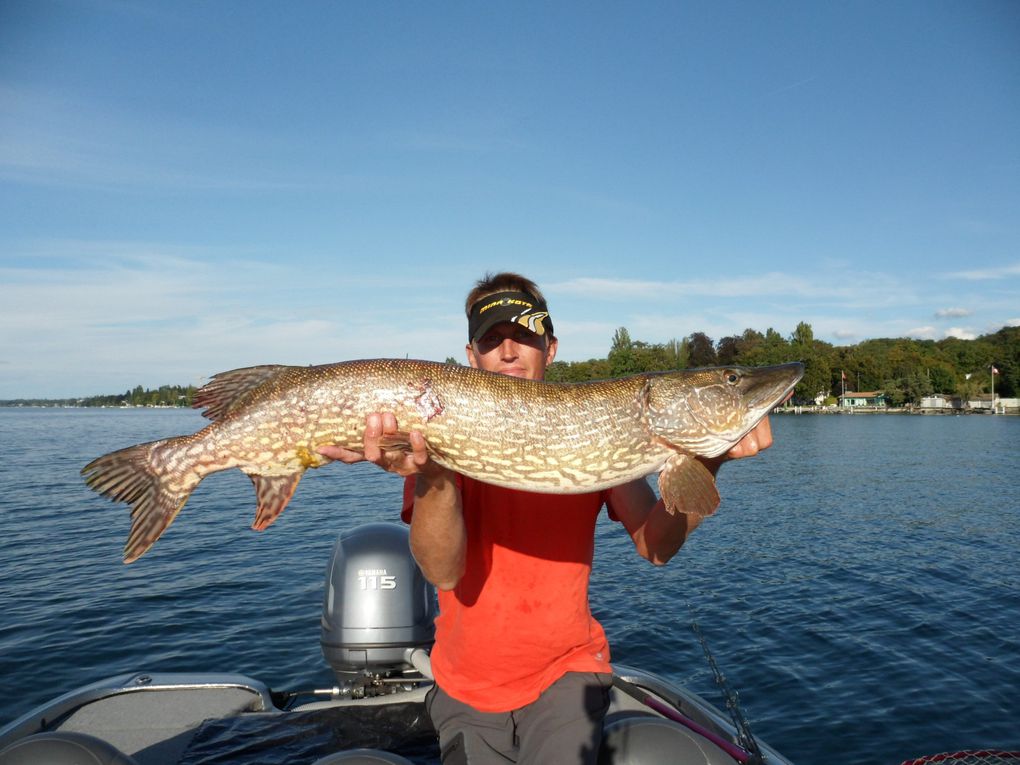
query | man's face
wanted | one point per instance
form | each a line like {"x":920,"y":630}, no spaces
{"x":510,"y":349}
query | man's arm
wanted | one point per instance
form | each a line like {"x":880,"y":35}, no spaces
{"x":438,"y":537}
{"x":657,"y":534}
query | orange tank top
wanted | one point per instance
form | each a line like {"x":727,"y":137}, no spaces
{"x":519,"y":617}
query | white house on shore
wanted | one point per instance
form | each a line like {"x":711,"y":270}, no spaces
{"x":871,"y":399}
{"x":982,"y":402}
{"x":939,"y":402}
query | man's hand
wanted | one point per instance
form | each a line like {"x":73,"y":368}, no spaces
{"x":377,"y":426}
{"x":760,"y":437}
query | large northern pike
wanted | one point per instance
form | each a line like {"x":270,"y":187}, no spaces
{"x":556,"y":438}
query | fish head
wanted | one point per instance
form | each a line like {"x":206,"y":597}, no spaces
{"x":707,"y":411}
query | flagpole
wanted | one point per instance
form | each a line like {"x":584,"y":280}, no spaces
{"x":993,"y":370}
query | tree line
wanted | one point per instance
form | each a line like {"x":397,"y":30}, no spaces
{"x":905,"y":369}
{"x":165,"y":395}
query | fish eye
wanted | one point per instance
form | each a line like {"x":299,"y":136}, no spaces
{"x":732,"y":378}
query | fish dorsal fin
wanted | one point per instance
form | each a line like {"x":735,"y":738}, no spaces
{"x":228,"y":390}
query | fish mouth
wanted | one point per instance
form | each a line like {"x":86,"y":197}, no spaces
{"x":764,"y":389}
{"x":774,"y":387}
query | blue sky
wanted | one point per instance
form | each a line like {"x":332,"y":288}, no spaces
{"x":190,"y":187}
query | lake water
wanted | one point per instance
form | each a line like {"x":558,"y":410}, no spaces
{"x":858,"y":586}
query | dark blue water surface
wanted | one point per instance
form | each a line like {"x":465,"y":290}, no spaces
{"x":858,"y":586}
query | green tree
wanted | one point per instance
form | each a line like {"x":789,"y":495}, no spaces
{"x":728,"y":351}
{"x":677,"y":354}
{"x":621,"y":340}
{"x":968,"y":387}
{"x":942,"y":379}
{"x":751,"y":342}
{"x":916,"y":385}
{"x":1005,"y":345}
{"x":622,"y":359}
{"x":817,"y":370}
{"x":775,"y":349}
{"x":895,"y":396}
{"x":701,"y":350}
{"x":803,"y":336}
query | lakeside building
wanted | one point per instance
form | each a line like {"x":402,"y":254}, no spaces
{"x":982,"y":402}
{"x":986,"y":402}
{"x":939,"y":402}
{"x":863,"y":399}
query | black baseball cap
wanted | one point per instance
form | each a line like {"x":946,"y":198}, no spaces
{"x":514,"y":307}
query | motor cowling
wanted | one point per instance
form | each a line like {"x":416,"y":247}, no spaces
{"x":378,"y":606}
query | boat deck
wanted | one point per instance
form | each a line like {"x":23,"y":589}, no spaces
{"x":189,"y":719}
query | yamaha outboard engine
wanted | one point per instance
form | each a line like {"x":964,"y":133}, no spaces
{"x":378,"y":610}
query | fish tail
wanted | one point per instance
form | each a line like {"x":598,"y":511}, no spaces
{"x":151,"y":481}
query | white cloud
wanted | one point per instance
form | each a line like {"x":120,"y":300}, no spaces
{"x":953,"y":313}
{"x":961,"y":333}
{"x":858,"y":290}
{"x":923,"y":333}
{"x":88,"y":318}
{"x":987,"y":274}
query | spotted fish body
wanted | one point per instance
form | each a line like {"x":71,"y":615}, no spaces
{"x":269,"y":421}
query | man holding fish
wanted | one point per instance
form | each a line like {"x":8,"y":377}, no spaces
{"x":522,"y":668}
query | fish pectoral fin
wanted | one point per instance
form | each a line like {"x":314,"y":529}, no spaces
{"x":687,"y":486}
{"x":396,"y":442}
{"x":273,"y":492}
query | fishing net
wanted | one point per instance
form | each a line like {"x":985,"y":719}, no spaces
{"x":975,"y":757}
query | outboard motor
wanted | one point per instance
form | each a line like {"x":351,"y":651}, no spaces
{"x":378,"y":610}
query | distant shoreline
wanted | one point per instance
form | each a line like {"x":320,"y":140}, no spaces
{"x":59,"y":405}
{"x":796,"y":410}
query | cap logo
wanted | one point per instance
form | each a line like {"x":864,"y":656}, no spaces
{"x":505,"y":301}
{"x":533,"y":321}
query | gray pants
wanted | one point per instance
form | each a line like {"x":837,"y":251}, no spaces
{"x":562,"y":727}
